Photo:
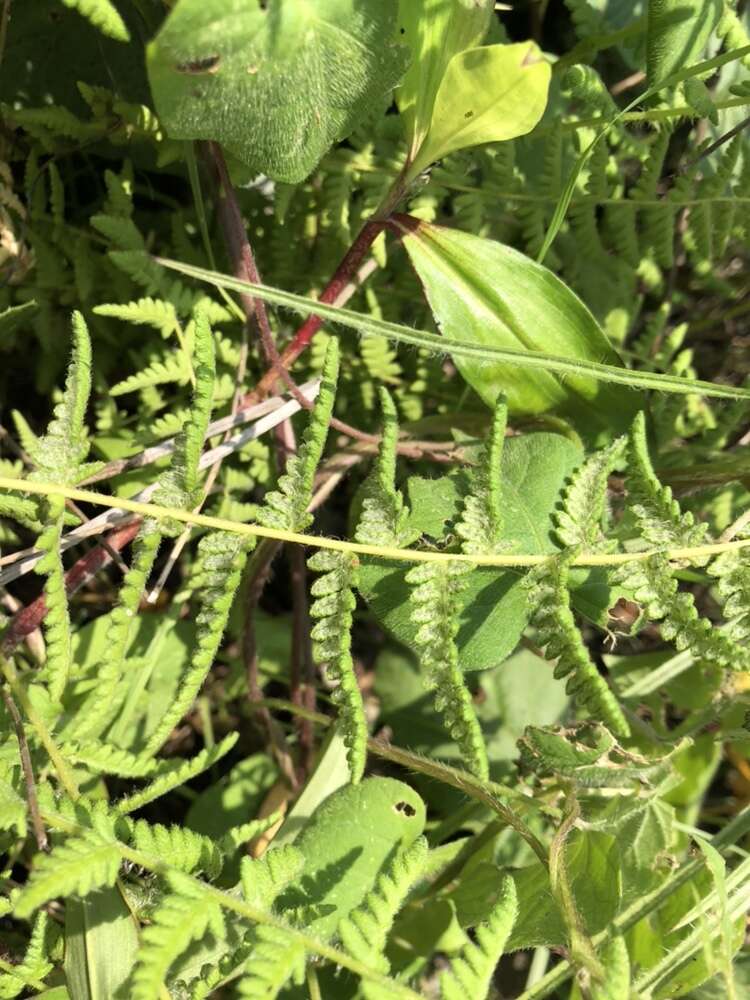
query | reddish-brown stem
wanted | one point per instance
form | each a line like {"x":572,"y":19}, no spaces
{"x":30,"y":618}
{"x":341,"y":278}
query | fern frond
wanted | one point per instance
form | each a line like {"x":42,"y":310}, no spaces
{"x":120,"y":230}
{"x":365,"y":930}
{"x":434,"y":610}
{"x":104,"y":702}
{"x":35,"y":965}
{"x":549,"y":605}
{"x":332,"y":609}
{"x":59,"y":454}
{"x":179,"y":486}
{"x":173,"y":367}
{"x":732,"y":573}
{"x":59,"y":457}
{"x":579,"y":521}
{"x":146,"y":311}
{"x":103,"y":758}
{"x":655,"y":587}
{"x":186,"y":850}
{"x":76,"y":867}
{"x":263,"y":879}
{"x":275,"y":960}
{"x":480,"y":525}
{"x":286,"y":507}
{"x":12,"y":809}
{"x":57,"y":618}
{"x":234,"y":839}
{"x":103,"y":15}
{"x":660,"y":520}
{"x":383,"y":517}
{"x":174,"y":775}
{"x":185,"y":916}
{"x":222,"y":557}
{"x":471,"y":970}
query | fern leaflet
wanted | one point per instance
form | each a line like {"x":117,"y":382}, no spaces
{"x":434,"y":598}
{"x":333,"y":606}
{"x":185,"y":916}
{"x":584,"y":502}
{"x":471,"y":971}
{"x":480,"y":525}
{"x":286,"y":507}
{"x":78,"y":866}
{"x":549,"y":603}
{"x":222,"y":557}
{"x":382,"y":520}
{"x":365,"y":930}
{"x":103,"y":15}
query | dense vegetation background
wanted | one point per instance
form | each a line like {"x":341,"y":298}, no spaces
{"x":487,"y":736}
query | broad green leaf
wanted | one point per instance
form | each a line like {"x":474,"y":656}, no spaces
{"x":435,"y":31}
{"x":592,"y":863}
{"x":521,"y":692}
{"x":534,"y":470}
{"x":488,"y":94}
{"x":331,"y":773}
{"x":490,"y":294}
{"x":275,"y":83}
{"x":489,"y":354}
{"x":233,"y":800}
{"x":101,"y":941}
{"x":347,"y":842}
{"x":678,"y":33}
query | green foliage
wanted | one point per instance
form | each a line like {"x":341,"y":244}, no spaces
{"x":332,"y":609}
{"x":286,"y":507}
{"x":343,"y":57}
{"x":434,"y":611}
{"x":520,"y":478}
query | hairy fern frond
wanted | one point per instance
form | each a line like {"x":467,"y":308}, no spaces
{"x":276,"y":959}
{"x":173,"y":367}
{"x":103,"y":703}
{"x":434,"y":610}
{"x":480,"y":525}
{"x":179,"y":486}
{"x":332,"y":611}
{"x":365,"y":930}
{"x":263,"y":879}
{"x":12,"y":809}
{"x":654,"y":586}
{"x":221,"y":556}
{"x":660,"y":520}
{"x":184,"y":916}
{"x":175,"y":774}
{"x":471,"y":970}
{"x":35,"y":965}
{"x":234,"y":838}
{"x":549,"y":605}
{"x":732,"y":572}
{"x":286,"y":507}
{"x":579,"y":521}
{"x":76,"y":867}
{"x":120,"y":231}
{"x":103,"y":15}
{"x":187,"y":851}
{"x":103,"y":758}
{"x":59,"y":457}
{"x":146,"y":311}
{"x":382,"y":520}
{"x":59,"y":454}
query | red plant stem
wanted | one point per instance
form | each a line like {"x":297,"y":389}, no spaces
{"x":341,"y":278}
{"x":31,"y":617}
